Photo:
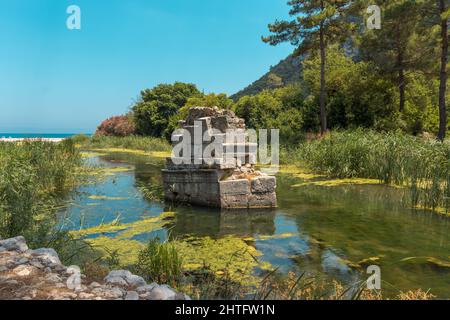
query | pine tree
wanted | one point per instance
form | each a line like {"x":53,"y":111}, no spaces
{"x":444,"y":14}
{"x":435,"y":15}
{"x":316,"y":25}
{"x":396,"y":48}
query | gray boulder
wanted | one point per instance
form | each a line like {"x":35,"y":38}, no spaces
{"x":163,"y":292}
{"x":14,"y":244}
{"x":118,"y":281}
{"x":132,"y":295}
{"x":47,"y":256}
{"x":146,"y":288}
{"x":124,"y":277}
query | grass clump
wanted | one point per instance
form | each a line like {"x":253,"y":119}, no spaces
{"x":159,"y":262}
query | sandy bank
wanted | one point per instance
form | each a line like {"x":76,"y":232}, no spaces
{"x":54,"y":140}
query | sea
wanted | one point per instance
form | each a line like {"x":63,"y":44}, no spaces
{"x":36,"y":135}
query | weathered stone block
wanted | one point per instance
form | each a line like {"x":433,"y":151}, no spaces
{"x":235,"y":201}
{"x":264,"y":184}
{"x":232,"y":187}
{"x":262,"y":200}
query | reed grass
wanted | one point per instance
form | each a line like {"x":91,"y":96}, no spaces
{"x":159,"y":262}
{"x":393,"y":158}
{"x":128,"y":142}
{"x":35,"y":177}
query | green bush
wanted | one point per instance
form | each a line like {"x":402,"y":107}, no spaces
{"x":157,"y":105}
{"x":277,"y":109}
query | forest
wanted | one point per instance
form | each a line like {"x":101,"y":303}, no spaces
{"x":349,"y":76}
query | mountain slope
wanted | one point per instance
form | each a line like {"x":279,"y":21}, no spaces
{"x":287,"y":71}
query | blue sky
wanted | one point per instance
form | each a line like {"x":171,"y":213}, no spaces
{"x":57,"y":80}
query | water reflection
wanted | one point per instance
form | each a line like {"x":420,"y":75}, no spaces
{"x":216,"y":223}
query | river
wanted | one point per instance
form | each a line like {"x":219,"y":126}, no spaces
{"x":330,"y":230}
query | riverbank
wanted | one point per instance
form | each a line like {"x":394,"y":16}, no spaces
{"x":130,"y":143}
{"x":36,"y":177}
{"x":15,"y":140}
{"x":418,"y":164}
{"x":39,"y":275}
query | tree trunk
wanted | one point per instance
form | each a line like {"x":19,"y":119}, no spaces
{"x":323,"y":111}
{"x":401,"y":81}
{"x":443,"y":74}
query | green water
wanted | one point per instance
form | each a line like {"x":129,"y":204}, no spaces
{"x":321,"y":230}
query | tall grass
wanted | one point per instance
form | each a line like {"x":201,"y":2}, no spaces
{"x":128,"y":142}
{"x":159,"y":262}
{"x":393,"y":158}
{"x":34,"y":179}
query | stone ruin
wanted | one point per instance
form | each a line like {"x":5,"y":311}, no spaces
{"x":226,"y":180}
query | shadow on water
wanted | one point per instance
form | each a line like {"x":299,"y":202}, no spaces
{"x":334,"y":231}
{"x":215,"y":223}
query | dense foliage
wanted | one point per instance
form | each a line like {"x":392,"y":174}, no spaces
{"x":34,"y":178}
{"x":118,"y":126}
{"x":392,"y":158}
{"x":128,"y":142}
{"x":409,"y":44}
{"x":341,"y":75}
{"x":157,"y":105}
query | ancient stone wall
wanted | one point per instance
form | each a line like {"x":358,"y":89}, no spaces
{"x":225,"y":179}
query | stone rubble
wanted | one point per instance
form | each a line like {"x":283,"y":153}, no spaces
{"x":39,"y":275}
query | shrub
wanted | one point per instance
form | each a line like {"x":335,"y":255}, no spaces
{"x":118,"y":126}
{"x":157,"y":105}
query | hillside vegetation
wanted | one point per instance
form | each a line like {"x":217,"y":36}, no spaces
{"x":287,"y":71}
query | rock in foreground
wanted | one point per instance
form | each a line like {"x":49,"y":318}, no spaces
{"x":39,"y":275}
